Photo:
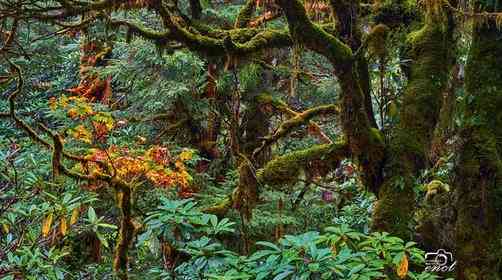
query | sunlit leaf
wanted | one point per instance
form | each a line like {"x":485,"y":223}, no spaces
{"x":402,"y":268}
{"x":46,"y":224}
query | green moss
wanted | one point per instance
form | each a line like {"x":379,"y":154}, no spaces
{"x":221,"y":208}
{"x":313,"y":36}
{"x":376,"y":136}
{"x":286,"y":169}
{"x":394,"y":210}
{"x":126,"y":231}
{"x":479,"y":172}
{"x":256,"y":122}
{"x":301,"y":119}
{"x":268,"y":99}
{"x":395,"y":13}
{"x":430,"y":51}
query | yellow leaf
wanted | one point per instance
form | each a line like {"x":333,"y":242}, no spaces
{"x":46,"y":225}
{"x":63,"y":101}
{"x":402,"y":268}
{"x":81,"y":133}
{"x":74,"y":216}
{"x":63,"y":226}
{"x":105,"y":118}
{"x":141,"y":140}
{"x":6,"y":228}
{"x":186,"y":155}
{"x":72,"y":113}
{"x":53,"y":103}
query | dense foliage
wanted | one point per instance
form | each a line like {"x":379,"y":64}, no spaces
{"x":258,"y":139}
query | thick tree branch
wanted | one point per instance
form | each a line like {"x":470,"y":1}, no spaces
{"x":297,"y":120}
{"x":314,"y":37}
{"x":286,"y":169}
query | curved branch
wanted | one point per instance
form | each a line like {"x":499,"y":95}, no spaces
{"x":313,"y":36}
{"x":366,"y":142}
{"x":237,"y":41}
{"x":10,"y":36}
{"x":299,"y":119}
{"x":25,"y":126}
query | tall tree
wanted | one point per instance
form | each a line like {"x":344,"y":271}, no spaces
{"x":478,"y":183}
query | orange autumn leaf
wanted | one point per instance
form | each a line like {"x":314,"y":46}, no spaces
{"x":72,"y":113}
{"x":100,"y":130}
{"x":105,"y":119}
{"x":186,"y":194}
{"x":159,"y":155}
{"x":63,"y":226}
{"x":402,"y":268}
{"x":185,"y":155}
{"x":81,"y":133}
{"x":53,"y":103}
{"x":76,"y":90}
{"x":46,"y":225}
{"x":74,"y":216}
{"x":97,"y":155}
{"x":161,"y":178}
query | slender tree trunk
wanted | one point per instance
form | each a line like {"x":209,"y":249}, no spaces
{"x":126,"y":232}
{"x":478,"y":183}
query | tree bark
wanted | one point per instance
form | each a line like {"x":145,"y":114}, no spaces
{"x":407,"y":155}
{"x":478,"y":183}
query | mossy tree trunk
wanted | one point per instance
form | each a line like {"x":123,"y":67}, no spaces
{"x":366,"y":142}
{"x":478,"y":183}
{"x":430,"y":52}
{"x":255,"y":126}
{"x":349,"y":29}
{"x":407,"y":152}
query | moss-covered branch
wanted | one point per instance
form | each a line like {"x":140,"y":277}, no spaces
{"x":312,"y":36}
{"x":126,"y":231}
{"x":366,"y":143}
{"x":286,"y":169}
{"x":218,"y":43}
{"x":25,"y":126}
{"x":299,"y":119}
{"x":266,"y":99}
